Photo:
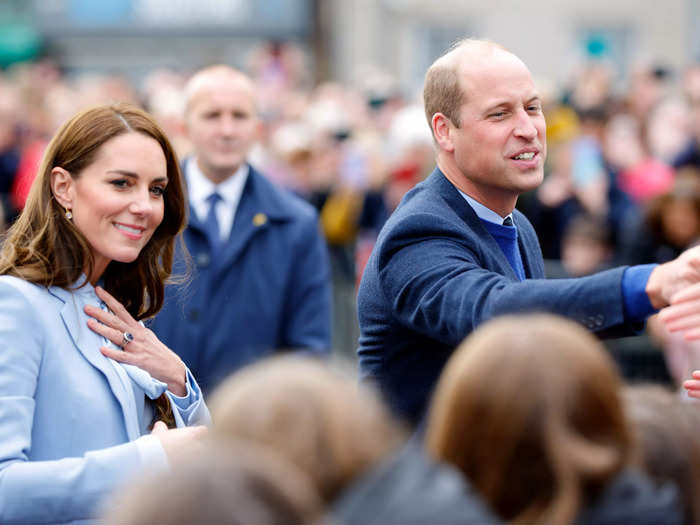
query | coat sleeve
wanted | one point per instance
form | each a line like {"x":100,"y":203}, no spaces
{"x":437,"y":283}
{"x":307,"y":320}
{"x":44,"y":491}
{"x":190,"y":409}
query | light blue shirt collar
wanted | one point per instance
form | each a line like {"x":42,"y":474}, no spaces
{"x":483,"y":212}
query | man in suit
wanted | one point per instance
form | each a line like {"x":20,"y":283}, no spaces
{"x":260,"y":278}
{"x":456,"y":252}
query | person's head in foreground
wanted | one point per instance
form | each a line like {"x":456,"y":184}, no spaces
{"x":529,"y":409}
{"x":666,"y":429}
{"x":107,"y":202}
{"x":232,"y":484}
{"x":321,"y":421}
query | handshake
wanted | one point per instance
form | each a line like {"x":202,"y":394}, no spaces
{"x":674,"y":288}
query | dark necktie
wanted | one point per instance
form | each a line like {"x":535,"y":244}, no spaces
{"x":211,"y":224}
{"x":508,"y":221}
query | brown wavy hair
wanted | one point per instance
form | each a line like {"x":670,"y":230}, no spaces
{"x":44,"y":248}
{"x":317,"y":418}
{"x":530,"y":410}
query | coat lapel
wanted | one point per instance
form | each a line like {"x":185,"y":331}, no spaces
{"x":244,"y":226}
{"x":88,"y":344}
{"x":258,"y":208}
{"x":459,"y":204}
{"x":253,"y":215}
{"x":526,"y":254}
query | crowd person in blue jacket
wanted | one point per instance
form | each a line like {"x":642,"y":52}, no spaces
{"x":456,"y":252}
{"x":260,"y":279}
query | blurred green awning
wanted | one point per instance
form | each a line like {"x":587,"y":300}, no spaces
{"x":19,"y":41}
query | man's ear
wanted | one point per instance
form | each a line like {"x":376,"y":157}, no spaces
{"x":442,"y":128}
{"x":62,"y":185}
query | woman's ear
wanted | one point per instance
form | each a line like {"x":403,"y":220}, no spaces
{"x":62,"y":187}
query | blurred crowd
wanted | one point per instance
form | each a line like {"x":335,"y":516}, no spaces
{"x":350,"y":151}
{"x":622,"y":184}
{"x":295,"y":441}
{"x":622,"y":179}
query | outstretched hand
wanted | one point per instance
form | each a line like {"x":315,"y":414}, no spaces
{"x":684,"y":316}
{"x":692,"y":386}
{"x":144,"y":351}
{"x":668,"y":279}
{"x":684,"y":313}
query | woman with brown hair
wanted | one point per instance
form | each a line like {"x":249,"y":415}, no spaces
{"x":81,"y":379}
{"x":529,"y":409}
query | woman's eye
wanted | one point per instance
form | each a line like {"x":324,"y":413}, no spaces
{"x":158,"y":190}
{"x":119,"y":183}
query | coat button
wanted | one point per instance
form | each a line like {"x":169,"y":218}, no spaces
{"x":193,"y":315}
{"x":203,"y":259}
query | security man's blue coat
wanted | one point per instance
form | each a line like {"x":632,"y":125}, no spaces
{"x":267,"y":288}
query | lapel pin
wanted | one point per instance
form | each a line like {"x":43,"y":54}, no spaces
{"x":259,"y":219}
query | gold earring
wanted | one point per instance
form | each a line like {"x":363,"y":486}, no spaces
{"x":69,"y":214}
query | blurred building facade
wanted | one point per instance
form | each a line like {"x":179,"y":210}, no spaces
{"x":345,"y":37}
{"x":552,"y":37}
{"x":136,"y":36}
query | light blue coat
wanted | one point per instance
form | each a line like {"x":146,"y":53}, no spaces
{"x":70,"y":418}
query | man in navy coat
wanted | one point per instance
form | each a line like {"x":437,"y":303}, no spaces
{"x":456,"y":252}
{"x":260,"y":278}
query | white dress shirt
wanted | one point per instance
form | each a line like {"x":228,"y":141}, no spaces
{"x":200,"y":187}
